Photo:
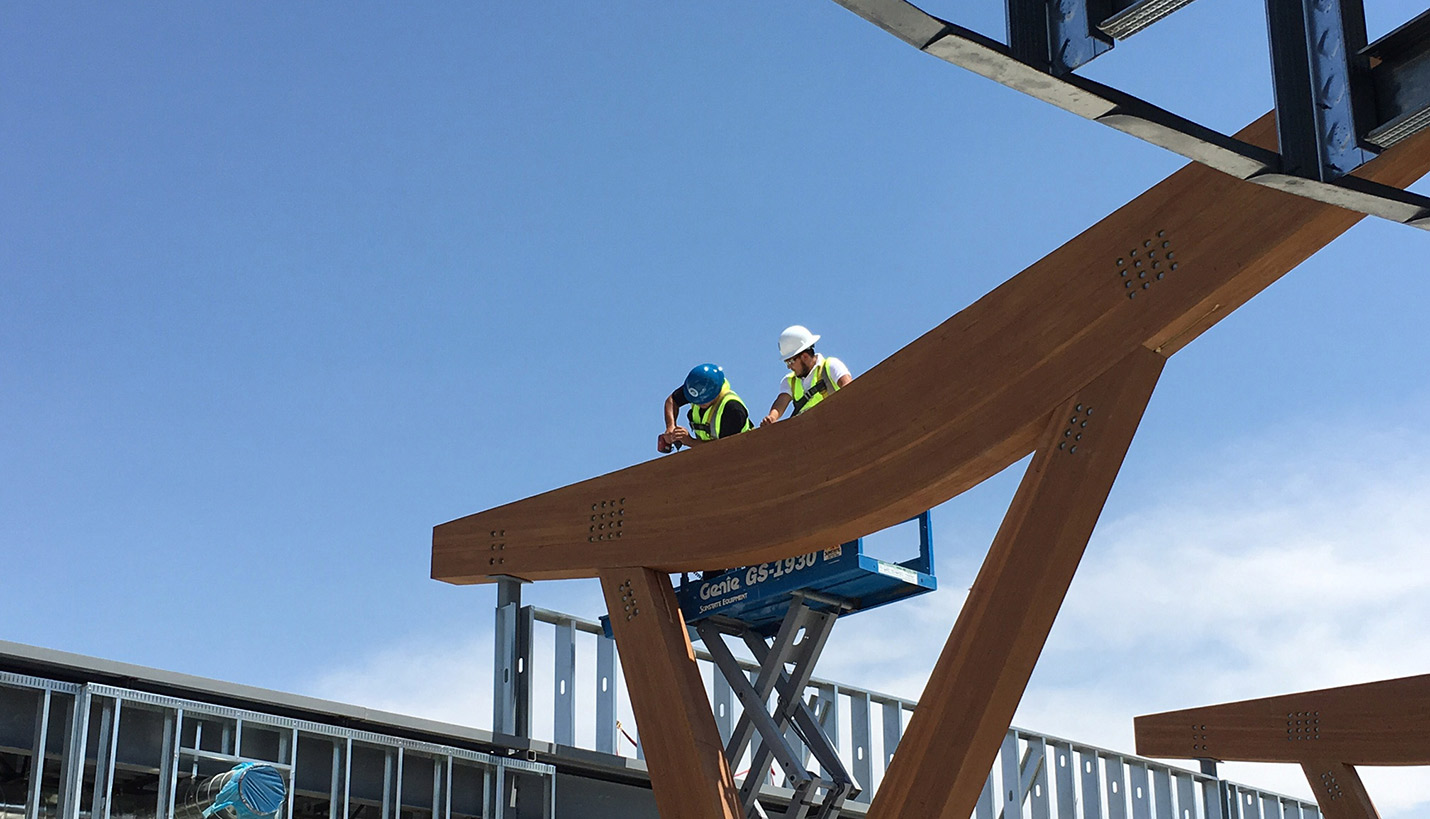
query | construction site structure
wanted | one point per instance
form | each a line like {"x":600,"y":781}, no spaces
{"x":1058,"y":362}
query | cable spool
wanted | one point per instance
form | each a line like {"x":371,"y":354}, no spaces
{"x":249,"y":791}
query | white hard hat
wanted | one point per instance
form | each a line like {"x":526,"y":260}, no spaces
{"x":795,"y":340}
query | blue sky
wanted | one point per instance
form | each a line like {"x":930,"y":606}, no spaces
{"x":286,"y":285}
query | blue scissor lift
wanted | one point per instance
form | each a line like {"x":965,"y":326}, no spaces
{"x":783,"y":611}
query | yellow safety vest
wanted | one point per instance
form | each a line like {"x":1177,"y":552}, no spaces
{"x":704,"y":424}
{"x":823,"y":386}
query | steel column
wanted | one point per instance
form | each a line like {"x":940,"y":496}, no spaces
{"x":1010,"y":796}
{"x":564,"y":728}
{"x":76,"y":740}
{"x":37,"y":762}
{"x":511,"y":684}
{"x":1322,"y":85}
{"x":169,"y":774}
{"x":1067,"y":798}
{"x":387,"y":761}
{"x":1162,"y":787}
{"x":893,"y":729}
{"x":397,"y":789}
{"x":1087,"y":771}
{"x":722,"y":701}
{"x":105,"y":750}
{"x":1141,"y":791}
{"x":1033,"y":778}
{"x":1116,"y":790}
{"x":1186,"y":793}
{"x":861,"y":749}
{"x":606,"y":679}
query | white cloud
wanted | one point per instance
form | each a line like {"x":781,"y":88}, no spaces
{"x":1280,"y":567}
{"x":446,"y":681}
{"x":1284,"y":565}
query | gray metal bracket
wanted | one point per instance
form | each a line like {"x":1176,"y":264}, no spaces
{"x":1132,"y":115}
{"x":786,"y":665}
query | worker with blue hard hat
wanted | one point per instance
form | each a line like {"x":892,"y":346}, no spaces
{"x":715,"y":410}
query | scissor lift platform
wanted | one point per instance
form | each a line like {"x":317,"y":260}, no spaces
{"x":841,"y":580}
{"x":783,"y":611}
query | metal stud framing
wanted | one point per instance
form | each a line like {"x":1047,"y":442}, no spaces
{"x":95,"y":720}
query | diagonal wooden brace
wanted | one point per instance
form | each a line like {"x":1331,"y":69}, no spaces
{"x":954,"y":735}
{"x":1339,"y":791}
{"x":688,"y":770}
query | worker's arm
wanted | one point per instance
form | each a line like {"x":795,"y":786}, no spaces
{"x":675,"y":435}
{"x":777,"y":409}
{"x":844,"y":380}
{"x":670,"y":411}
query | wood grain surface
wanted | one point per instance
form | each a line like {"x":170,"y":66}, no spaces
{"x":688,"y":770}
{"x":1379,"y":723}
{"x":947,"y":411}
{"x":1339,"y":791}
{"x":955,"y":733}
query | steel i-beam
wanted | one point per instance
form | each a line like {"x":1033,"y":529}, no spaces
{"x":1322,"y":85}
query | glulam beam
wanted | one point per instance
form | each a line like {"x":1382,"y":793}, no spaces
{"x":1378,"y":723}
{"x":1327,"y":732}
{"x":952,"y":408}
{"x":955,"y":732}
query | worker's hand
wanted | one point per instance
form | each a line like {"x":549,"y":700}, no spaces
{"x":663,"y":443}
{"x":769,"y":419}
{"x":679,"y":436}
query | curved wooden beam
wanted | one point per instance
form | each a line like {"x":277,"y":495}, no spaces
{"x":952,"y":408}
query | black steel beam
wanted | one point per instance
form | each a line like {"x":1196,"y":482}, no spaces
{"x":1400,"y":73}
{"x":1028,"y":39}
{"x":1057,"y":35}
{"x":1090,"y":100}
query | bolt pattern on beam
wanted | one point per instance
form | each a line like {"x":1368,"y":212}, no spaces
{"x":1338,"y":790}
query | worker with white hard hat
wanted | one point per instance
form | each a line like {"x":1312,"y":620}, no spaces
{"x":715,"y":410}
{"x":812,"y":378}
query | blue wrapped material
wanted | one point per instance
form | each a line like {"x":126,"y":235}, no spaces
{"x":252,"y":791}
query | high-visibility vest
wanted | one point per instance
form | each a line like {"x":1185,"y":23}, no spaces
{"x":705,"y":424}
{"x":823,"y":386}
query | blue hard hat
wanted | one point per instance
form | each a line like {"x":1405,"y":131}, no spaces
{"x":704,"y":383}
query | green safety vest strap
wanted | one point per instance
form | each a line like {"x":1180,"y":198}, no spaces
{"x":704,"y":424}
{"x":822,"y":387}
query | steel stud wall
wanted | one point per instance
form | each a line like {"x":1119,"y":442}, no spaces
{"x":90,"y":751}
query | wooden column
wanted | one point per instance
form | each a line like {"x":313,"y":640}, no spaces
{"x":955,"y":732}
{"x":688,"y":770}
